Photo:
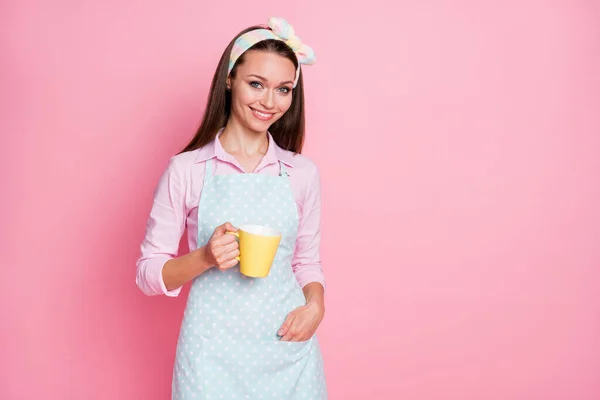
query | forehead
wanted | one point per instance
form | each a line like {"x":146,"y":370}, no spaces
{"x":269,"y":65}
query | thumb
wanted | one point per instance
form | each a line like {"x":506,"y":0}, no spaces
{"x":285,"y":327}
{"x":226,"y":227}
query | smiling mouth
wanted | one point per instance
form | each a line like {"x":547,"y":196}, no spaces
{"x":263,"y":116}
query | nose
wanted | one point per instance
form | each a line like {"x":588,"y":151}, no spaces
{"x":267,"y":100}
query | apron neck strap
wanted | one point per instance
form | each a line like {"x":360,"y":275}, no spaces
{"x":208,"y":170}
{"x":283,"y":170}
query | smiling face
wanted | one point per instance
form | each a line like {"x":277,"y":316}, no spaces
{"x":261,"y":91}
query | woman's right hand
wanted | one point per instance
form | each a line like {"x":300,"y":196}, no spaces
{"x":222,"y":248}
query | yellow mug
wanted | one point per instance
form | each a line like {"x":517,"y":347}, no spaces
{"x":258,"y":246}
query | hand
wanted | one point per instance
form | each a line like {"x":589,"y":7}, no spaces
{"x":222,"y":248}
{"x":301,"y":323}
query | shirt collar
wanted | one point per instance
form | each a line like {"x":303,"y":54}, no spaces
{"x":215,"y":149}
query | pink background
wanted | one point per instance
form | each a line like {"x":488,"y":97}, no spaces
{"x":459,"y":145}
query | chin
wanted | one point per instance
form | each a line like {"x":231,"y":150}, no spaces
{"x":259,"y":126}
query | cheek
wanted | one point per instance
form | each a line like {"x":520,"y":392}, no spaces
{"x":284,"y":102}
{"x":243,"y":97}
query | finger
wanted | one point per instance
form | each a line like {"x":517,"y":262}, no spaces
{"x":224,"y":249}
{"x":289,"y":337}
{"x":225,"y":239}
{"x":299,"y":334}
{"x":229,"y":227}
{"x":233,"y":254}
{"x":219,"y":239}
{"x":226,"y":227}
{"x":298,"y":338}
{"x":217,"y":245}
{"x":287,"y":324}
{"x":227,"y":264}
{"x":229,"y":256}
{"x":300,"y":329}
{"x":221,"y":230}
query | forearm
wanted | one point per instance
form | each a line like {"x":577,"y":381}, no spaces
{"x":315,"y":294}
{"x":179,"y":271}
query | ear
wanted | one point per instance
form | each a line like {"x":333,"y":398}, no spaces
{"x":228,"y":82}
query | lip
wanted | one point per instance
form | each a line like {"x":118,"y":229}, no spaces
{"x":262,"y":117}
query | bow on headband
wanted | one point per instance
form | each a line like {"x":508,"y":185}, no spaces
{"x":280,"y":30}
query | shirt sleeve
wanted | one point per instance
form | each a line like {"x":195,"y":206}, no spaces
{"x":164,"y":229}
{"x":306,"y":262}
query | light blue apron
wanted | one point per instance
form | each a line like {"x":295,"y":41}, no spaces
{"x":228,"y":346}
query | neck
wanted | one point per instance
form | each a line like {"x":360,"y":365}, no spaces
{"x":237,"y":139}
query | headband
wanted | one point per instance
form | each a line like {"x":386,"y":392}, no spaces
{"x":280,"y":30}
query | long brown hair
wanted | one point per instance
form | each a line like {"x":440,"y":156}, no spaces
{"x":287,"y":132}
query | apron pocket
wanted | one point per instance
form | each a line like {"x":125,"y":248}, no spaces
{"x":245,"y":369}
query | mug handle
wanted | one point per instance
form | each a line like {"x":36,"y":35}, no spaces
{"x":236,"y":234}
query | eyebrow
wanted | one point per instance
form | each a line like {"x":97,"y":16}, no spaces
{"x":266,"y":80}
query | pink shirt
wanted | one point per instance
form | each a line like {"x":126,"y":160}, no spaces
{"x":175,"y":207}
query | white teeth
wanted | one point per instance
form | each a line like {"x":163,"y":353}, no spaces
{"x":264,"y":115}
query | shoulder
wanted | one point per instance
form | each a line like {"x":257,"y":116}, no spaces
{"x":182,"y":163}
{"x":183,"y":160}
{"x":181,"y":168}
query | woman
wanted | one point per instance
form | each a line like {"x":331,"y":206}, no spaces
{"x":244,"y":337}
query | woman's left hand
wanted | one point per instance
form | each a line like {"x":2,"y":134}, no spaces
{"x":302,"y":323}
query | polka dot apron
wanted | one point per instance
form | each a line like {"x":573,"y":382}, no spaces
{"x":228,"y":346}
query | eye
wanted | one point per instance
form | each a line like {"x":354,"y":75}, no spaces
{"x":285,"y":89}
{"x":255,"y":84}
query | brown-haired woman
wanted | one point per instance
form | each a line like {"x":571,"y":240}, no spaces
{"x":243,"y":337}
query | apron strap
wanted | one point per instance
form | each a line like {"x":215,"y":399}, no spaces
{"x":283,"y":170}
{"x":208,"y":171}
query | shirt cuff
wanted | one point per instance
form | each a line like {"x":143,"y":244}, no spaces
{"x":150,"y":279}
{"x":310,"y":273}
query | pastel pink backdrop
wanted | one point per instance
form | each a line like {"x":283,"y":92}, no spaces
{"x":459,"y":145}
